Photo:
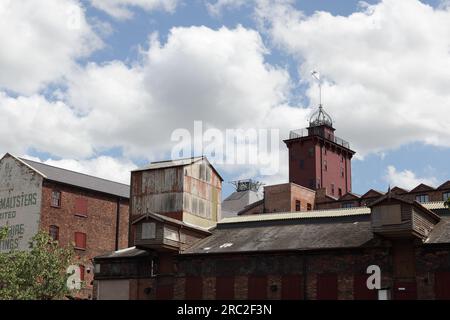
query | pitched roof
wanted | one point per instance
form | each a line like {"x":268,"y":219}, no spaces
{"x":299,"y":236}
{"x":169,"y":163}
{"x":350,"y":196}
{"x":372,"y":193}
{"x":131,"y":252}
{"x":422,"y":187}
{"x":445,"y":185}
{"x":176,"y":163}
{"x":397,"y":190}
{"x":238,"y":201}
{"x":78,"y":179}
{"x":162,"y":218}
{"x":441,"y":232}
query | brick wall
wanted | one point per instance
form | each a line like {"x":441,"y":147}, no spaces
{"x":283,"y":198}
{"x":99,"y":225}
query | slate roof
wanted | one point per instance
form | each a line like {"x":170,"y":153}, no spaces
{"x":131,"y":252}
{"x":79,"y":179}
{"x":441,"y":232}
{"x":313,"y":230}
{"x":329,"y":234}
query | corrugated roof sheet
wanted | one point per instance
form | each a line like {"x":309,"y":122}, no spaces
{"x":299,"y":215}
{"x":80,"y":179}
{"x":169,"y":163}
{"x":434,"y":205}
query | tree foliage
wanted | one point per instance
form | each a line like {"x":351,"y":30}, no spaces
{"x":37,"y":274}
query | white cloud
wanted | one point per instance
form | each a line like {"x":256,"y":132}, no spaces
{"x":34,"y":122}
{"x":216,"y":8}
{"x":105,"y":167}
{"x":217,"y":76}
{"x":40,"y":41}
{"x":120,"y":9}
{"x":406,"y":178}
{"x":387,"y":68}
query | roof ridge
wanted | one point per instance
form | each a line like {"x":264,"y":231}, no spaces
{"x":85,"y":174}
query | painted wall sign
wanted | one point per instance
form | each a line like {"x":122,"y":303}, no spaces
{"x":20,"y":203}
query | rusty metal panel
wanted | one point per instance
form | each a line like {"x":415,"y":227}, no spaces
{"x":20,"y":203}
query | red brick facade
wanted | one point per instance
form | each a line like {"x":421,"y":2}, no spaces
{"x":99,"y":224}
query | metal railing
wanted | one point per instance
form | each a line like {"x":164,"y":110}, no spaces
{"x":294,"y":134}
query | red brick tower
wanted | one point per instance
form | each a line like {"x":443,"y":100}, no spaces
{"x":319,"y":159}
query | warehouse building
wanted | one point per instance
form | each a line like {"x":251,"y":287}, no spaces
{"x":310,"y":238}
{"x":74,"y":208}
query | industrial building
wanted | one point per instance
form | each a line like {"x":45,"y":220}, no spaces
{"x":310,"y":238}
{"x":85,"y":211}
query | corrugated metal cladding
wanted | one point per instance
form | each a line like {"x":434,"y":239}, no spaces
{"x":202,"y":191}
{"x":194,"y":188}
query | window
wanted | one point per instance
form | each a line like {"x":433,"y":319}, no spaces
{"x":171,"y":234}
{"x":347,"y":205}
{"x":297,"y":205}
{"x":309,"y":206}
{"x":342,"y":172}
{"x":325,"y":151}
{"x":80,"y":240}
{"x":340,"y":192}
{"x":56,"y":199}
{"x":54,"y":233}
{"x":311,"y":183}
{"x":325,"y":165}
{"x":422,"y":198}
{"x":148,"y":230}
{"x":311,"y":152}
{"x":81,"y":207}
{"x":302,"y":164}
{"x":332,"y":189}
{"x":342,"y":158}
{"x":445,"y":196}
{"x":82,"y":271}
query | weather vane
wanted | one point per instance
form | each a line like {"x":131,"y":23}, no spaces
{"x":316,"y":76}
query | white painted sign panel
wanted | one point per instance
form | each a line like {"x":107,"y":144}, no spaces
{"x":20,"y":203}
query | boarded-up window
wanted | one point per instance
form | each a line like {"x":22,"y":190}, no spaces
{"x":327,"y":286}
{"x":54,"y":232}
{"x":291,"y":287}
{"x":360,"y":290}
{"x":257,"y":287}
{"x":194,"y":288}
{"x":80,"y":240}
{"x":56,"y":199}
{"x":442,"y":285}
{"x":148,"y":230}
{"x":225,"y":288}
{"x":171,"y":234}
{"x":81,"y":207}
{"x":386,"y":215}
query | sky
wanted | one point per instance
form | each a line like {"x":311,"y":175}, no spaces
{"x":102,"y":87}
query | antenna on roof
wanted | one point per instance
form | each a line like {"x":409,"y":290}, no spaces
{"x":247,"y":185}
{"x":316,"y":75}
